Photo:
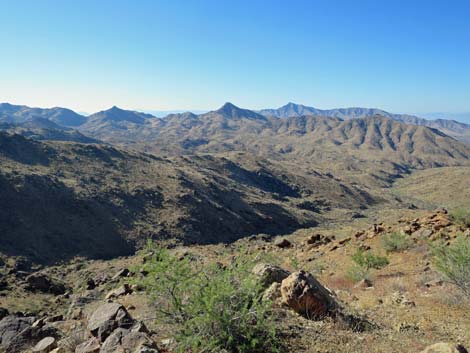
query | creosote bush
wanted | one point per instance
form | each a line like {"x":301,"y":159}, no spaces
{"x":453,"y":261}
{"x":395,"y":241}
{"x":369,"y":260}
{"x":213,"y":307}
{"x":364,"y":263}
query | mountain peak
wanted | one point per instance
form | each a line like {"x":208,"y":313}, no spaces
{"x":116,"y":114}
{"x":228,"y":107}
{"x":230,"y":110}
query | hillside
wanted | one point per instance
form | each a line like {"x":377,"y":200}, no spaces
{"x":59,"y":200}
{"x":433,"y":188}
{"x":45,"y":129}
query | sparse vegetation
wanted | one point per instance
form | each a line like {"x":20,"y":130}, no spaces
{"x":453,"y":261}
{"x":461,"y":216}
{"x":395,"y":241}
{"x":214,"y":307}
{"x":358,"y":273}
{"x":364,"y":263}
{"x":368,"y":260}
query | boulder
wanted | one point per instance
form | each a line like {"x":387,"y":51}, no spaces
{"x":39,"y":281}
{"x":11,"y":326}
{"x":305,"y":295}
{"x":45,"y":345}
{"x":107,"y":318}
{"x":101,"y":278}
{"x":120,"y":291}
{"x":18,"y":333}
{"x":122,"y":340}
{"x":319,"y":239}
{"x":444,"y":348}
{"x":121,"y":273}
{"x":269,"y":274}
{"x":283,"y":243}
{"x":90,"y":346}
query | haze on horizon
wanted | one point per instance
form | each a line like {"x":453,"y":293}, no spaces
{"x":403,"y":57}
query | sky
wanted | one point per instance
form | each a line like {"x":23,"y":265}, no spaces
{"x":401,"y":56}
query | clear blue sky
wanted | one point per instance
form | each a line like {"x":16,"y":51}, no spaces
{"x":402,"y":56}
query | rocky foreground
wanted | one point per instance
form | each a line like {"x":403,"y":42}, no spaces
{"x":96,"y":306}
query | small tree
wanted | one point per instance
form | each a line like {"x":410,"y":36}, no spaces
{"x":214,"y":307}
{"x":453,"y":261}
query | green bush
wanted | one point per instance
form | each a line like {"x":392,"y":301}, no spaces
{"x":453,"y":261}
{"x":461,"y":216}
{"x":368,"y":260}
{"x":357,"y":273}
{"x":395,"y":242}
{"x":364,"y":263}
{"x":213,"y":307}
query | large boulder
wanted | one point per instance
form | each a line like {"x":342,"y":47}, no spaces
{"x":11,"y":326}
{"x":18,"y":333}
{"x":269,"y":274}
{"x":122,"y":340}
{"x":45,"y":345}
{"x":305,"y":295}
{"x":444,"y":348}
{"x":119,"y":292}
{"x":41,"y":282}
{"x":107,"y":318}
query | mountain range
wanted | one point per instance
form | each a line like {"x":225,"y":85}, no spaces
{"x":116,"y":118}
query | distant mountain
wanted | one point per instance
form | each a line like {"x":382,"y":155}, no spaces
{"x":292,"y":109}
{"x":452,"y":128}
{"x":20,"y":113}
{"x":463,"y":117}
{"x":116,"y":114}
{"x":40,"y":129}
{"x":325,"y":140}
{"x":106,"y":122}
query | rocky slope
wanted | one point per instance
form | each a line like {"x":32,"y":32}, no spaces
{"x":59,"y":200}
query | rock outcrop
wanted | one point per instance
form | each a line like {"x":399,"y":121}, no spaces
{"x":305,"y":295}
{"x":108,"y":317}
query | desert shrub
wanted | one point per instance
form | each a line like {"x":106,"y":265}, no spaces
{"x":357,"y":273}
{"x":214,"y":307}
{"x":364,"y":263}
{"x":395,"y":242}
{"x":461,"y":216}
{"x":453,"y":261}
{"x":368,"y":260}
